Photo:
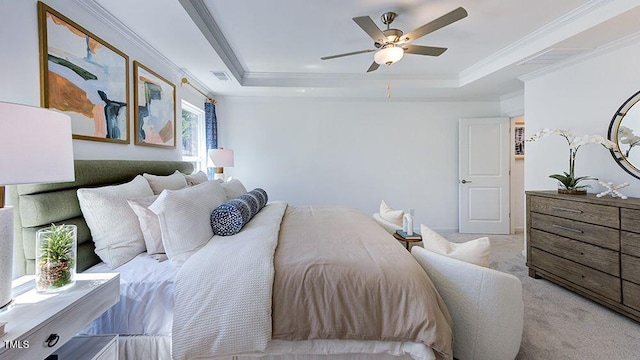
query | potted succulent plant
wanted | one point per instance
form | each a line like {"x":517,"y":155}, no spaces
{"x":55,"y":257}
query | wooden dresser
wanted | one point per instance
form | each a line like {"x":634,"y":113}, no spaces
{"x":587,"y":244}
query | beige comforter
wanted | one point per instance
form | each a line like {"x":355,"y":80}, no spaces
{"x":305,"y":273}
{"x":339,"y":275}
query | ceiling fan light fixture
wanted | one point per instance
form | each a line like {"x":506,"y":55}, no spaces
{"x":388,"y":55}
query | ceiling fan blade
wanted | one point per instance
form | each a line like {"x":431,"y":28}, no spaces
{"x":346,"y":54}
{"x":373,"y":67}
{"x":370,"y":28}
{"x":423,"y":50}
{"x":442,"y":21}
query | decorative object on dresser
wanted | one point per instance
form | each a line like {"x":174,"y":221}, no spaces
{"x":622,"y":132}
{"x":56,"y":257}
{"x":587,"y":244}
{"x":220,"y":158}
{"x":568,"y":183}
{"x":84,"y":77}
{"x":35,"y":146}
{"x":612,"y":190}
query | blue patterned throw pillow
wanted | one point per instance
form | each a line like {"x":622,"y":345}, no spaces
{"x":229,"y":218}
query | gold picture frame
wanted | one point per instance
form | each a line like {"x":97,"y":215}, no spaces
{"x":154,"y":101}
{"x":84,"y":77}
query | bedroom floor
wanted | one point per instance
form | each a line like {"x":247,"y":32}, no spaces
{"x":559,"y":324}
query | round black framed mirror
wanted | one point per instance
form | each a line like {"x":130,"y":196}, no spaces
{"x":624,"y":131}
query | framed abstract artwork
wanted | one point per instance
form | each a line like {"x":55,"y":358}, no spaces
{"x":84,"y":77}
{"x":518,"y":131}
{"x":154,"y":101}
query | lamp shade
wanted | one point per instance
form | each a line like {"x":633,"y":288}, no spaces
{"x":35,"y":145}
{"x":221,"y":157}
{"x":388,"y":55}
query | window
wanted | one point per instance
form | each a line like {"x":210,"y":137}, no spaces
{"x":194,"y":148}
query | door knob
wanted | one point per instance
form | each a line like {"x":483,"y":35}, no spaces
{"x":465,"y":181}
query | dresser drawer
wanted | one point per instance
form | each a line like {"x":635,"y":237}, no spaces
{"x":592,"y":213}
{"x":586,"y":254}
{"x":630,"y":243}
{"x":630,"y":220}
{"x":589,"y":233}
{"x":631,"y":295}
{"x":96,"y":347}
{"x":630,"y":268}
{"x":585,"y":277}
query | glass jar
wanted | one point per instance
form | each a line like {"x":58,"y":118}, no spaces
{"x":56,"y":248}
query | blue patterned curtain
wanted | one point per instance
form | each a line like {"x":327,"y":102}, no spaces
{"x":211,"y":130}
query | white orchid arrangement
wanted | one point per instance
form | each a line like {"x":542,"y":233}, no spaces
{"x":627,"y":136}
{"x":569,"y":180}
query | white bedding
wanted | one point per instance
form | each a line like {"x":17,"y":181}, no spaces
{"x":146,"y":299}
{"x":146,"y":307}
{"x":243,"y":264}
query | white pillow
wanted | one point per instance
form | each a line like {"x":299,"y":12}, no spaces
{"x":392,"y":216}
{"x":114,"y":226}
{"x":233,"y":188}
{"x":184,"y":217}
{"x":149,"y":223}
{"x":158,"y":183}
{"x":474,"y":251}
{"x":197,"y":178}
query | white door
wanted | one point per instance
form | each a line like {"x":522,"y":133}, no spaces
{"x":484,"y":176}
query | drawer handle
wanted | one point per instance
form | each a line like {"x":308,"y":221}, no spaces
{"x":52,"y":340}
{"x":568,"y":210}
{"x":567,"y":229}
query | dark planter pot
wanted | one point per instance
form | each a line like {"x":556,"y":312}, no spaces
{"x":572,"y":192}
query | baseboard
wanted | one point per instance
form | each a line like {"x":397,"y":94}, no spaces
{"x":443,"y":231}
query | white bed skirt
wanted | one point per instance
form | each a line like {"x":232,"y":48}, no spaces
{"x":159,"y":348}
{"x":144,"y":347}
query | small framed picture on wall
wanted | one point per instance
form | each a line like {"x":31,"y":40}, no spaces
{"x":155,"y":103}
{"x":518,"y":133}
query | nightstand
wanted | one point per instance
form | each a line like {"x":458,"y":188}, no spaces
{"x":40,"y":324}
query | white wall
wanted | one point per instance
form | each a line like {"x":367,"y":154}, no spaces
{"x":20,"y":77}
{"x":332,"y":152}
{"x":582,"y":98}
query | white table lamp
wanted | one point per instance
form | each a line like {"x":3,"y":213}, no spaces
{"x":35,"y":147}
{"x":221,"y":158}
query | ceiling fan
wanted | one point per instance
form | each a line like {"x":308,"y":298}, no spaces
{"x":392,"y":44}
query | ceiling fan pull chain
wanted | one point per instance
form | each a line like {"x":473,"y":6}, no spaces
{"x":388,"y":91}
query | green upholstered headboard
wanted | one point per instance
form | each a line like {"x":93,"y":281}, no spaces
{"x":37,"y":206}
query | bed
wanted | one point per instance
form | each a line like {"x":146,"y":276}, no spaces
{"x":145,"y":327}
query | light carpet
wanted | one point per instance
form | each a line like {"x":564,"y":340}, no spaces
{"x":559,"y":324}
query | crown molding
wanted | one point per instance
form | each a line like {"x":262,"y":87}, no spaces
{"x":315,"y":98}
{"x":95,"y":9}
{"x":512,"y":95}
{"x":104,"y":16}
{"x":199,"y":13}
{"x":612,"y":46}
{"x":345,"y":80}
{"x":581,"y":18}
{"x":196,"y":82}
